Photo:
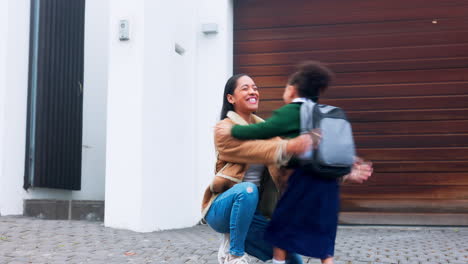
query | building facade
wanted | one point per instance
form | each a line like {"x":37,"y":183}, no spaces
{"x":149,"y":102}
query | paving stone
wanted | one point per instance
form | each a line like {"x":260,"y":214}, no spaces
{"x":28,"y":240}
{"x":341,"y":262}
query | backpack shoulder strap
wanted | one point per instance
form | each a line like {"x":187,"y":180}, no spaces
{"x":306,"y":114}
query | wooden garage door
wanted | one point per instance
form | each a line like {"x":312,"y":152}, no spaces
{"x":402,"y":75}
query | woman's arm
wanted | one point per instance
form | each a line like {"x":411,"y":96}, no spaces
{"x":271,"y":151}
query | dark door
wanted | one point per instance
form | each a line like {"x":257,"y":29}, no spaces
{"x":55,"y":103}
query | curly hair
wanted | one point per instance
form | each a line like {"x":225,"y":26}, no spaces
{"x":311,"y":79}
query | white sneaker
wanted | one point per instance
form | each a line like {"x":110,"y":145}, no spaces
{"x":239,"y":260}
{"x":223,"y":248}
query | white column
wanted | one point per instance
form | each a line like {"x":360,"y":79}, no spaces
{"x":14,"y":51}
{"x":169,"y":175}
{"x":162,"y":107}
{"x":124,"y":164}
{"x":214,"y":67}
{"x":3,"y":74}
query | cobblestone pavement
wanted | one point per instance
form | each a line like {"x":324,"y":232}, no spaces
{"x":27,"y":240}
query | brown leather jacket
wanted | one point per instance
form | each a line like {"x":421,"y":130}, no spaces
{"x":233,"y":159}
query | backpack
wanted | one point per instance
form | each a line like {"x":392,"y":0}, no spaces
{"x":334,"y":156}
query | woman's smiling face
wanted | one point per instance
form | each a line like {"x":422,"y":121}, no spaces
{"x":246,"y":96}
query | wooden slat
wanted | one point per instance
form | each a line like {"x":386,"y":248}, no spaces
{"x":371,"y":218}
{"x":405,"y":192}
{"x":342,"y":16}
{"x":352,"y":42}
{"x":353,"y":29}
{"x":411,"y":141}
{"x":365,"y":66}
{"x":375,"y":104}
{"x":409,"y":206}
{"x":414,"y":76}
{"x":387,"y":90}
{"x":401,"y":89}
{"x":376,"y":78}
{"x":427,"y":154}
{"x":410,"y":127}
{"x":401,"y":115}
{"x":421,"y":166}
{"x":355,"y":55}
{"x":417,"y":178}
{"x":268,"y":8}
{"x":429,"y":102}
{"x":408,"y":115}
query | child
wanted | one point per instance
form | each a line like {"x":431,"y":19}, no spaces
{"x":306,"y":217}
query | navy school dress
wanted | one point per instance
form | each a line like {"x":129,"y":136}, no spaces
{"x":306,"y":217}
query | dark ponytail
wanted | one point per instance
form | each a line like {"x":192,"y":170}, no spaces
{"x":311,"y":79}
{"x":229,"y":89}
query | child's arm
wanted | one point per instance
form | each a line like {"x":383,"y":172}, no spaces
{"x":284,"y":122}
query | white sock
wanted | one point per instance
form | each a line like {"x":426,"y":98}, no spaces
{"x":275,"y":261}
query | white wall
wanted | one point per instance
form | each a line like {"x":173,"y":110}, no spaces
{"x":124,"y":118}
{"x":214,"y":66}
{"x":168,"y":163}
{"x":160,"y":154}
{"x":14,"y":52}
{"x":14,"y":105}
{"x":3,"y":64}
{"x":93,"y":168}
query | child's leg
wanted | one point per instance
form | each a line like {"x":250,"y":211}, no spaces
{"x":257,"y":246}
{"x":328,"y":260}
{"x":279,"y":255}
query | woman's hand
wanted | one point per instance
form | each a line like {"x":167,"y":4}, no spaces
{"x":299,"y":145}
{"x":360,"y":172}
{"x":316,"y":135}
{"x":223,"y":128}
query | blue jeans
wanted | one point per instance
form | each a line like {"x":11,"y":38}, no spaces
{"x":234,"y":212}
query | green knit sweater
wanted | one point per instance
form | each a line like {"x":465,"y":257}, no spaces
{"x":285,"y":122}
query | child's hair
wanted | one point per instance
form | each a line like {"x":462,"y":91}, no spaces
{"x":311,"y":79}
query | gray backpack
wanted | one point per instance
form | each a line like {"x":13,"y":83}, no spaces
{"x":336,"y":152}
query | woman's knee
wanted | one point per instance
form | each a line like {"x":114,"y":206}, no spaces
{"x":247,"y":190}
